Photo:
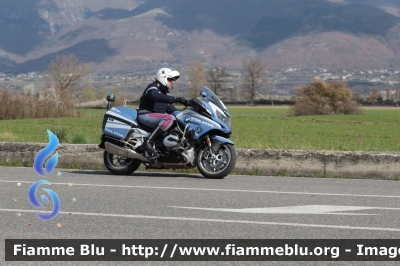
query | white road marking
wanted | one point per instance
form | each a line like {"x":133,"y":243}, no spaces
{"x":219,"y":221}
{"x":218,"y":189}
{"x":306,"y":209}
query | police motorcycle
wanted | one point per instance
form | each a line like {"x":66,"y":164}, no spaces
{"x":199,"y":139}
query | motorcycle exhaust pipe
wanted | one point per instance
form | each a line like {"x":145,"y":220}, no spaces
{"x":114,"y":149}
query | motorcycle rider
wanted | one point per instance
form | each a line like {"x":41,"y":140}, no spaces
{"x":155,"y":102}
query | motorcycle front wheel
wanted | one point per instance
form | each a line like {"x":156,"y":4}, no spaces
{"x":218,"y":164}
{"x":119,"y":165}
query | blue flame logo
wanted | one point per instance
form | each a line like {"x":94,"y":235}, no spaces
{"x":44,"y":153}
{"x":34,"y":201}
{"x":38,"y":167}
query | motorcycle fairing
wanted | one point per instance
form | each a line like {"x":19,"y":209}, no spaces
{"x":197,"y":122}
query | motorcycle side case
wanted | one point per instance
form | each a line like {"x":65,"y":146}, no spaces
{"x":118,"y":121}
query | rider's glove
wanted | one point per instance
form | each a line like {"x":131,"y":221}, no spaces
{"x":182,"y":100}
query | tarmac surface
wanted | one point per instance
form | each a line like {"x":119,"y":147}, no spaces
{"x":98,"y":205}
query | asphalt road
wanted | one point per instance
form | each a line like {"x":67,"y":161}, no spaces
{"x":98,"y":205}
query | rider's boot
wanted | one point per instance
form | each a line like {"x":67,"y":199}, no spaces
{"x":146,"y":145}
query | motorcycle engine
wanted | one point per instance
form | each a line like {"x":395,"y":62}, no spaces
{"x":171,"y":141}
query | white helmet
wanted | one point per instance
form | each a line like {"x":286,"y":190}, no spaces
{"x":167,"y":73}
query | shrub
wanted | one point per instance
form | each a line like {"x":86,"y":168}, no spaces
{"x":29,"y":104}
{"x":98,"y":104}
{"x":60,"y":132}
{"x":79,"y":137}
{"x":8,"y":136}
{"x":321,"y":98}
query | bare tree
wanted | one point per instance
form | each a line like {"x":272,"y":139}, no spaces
{"x":126,"y":82}
{"x":387,"y":94}
{"x":196,"y":76}
{"x":254,"y":71}
{"x":88,"y":94}
{"x":233,"y":93}
{"x":67,"y":70}
{"x":374,"y":95}
{"x":216,"y":78}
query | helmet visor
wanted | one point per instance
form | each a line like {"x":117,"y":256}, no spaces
{"x":173,"y":78}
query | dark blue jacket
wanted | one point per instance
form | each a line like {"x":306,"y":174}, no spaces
{"x":156,"y":100}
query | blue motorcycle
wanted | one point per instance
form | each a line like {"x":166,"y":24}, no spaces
{"x":199,"y":138}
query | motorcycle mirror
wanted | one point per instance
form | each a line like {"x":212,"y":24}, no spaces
{"x":204,"y":94}
{"x":110,"y":99}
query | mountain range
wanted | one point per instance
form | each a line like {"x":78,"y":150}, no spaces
{"x":140,"y":36}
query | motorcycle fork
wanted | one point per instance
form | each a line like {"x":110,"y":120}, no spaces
{"x":208,"y":142}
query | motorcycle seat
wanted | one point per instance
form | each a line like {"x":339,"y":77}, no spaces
{"x":144,"y":127}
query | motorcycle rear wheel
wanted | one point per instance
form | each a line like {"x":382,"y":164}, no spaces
{"x":218,"y":167}
{"x":119,"y":165}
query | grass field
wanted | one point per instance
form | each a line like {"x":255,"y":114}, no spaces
{"x":270,"y":128}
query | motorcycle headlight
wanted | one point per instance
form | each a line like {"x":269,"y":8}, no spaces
{"x":225,"y":119}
